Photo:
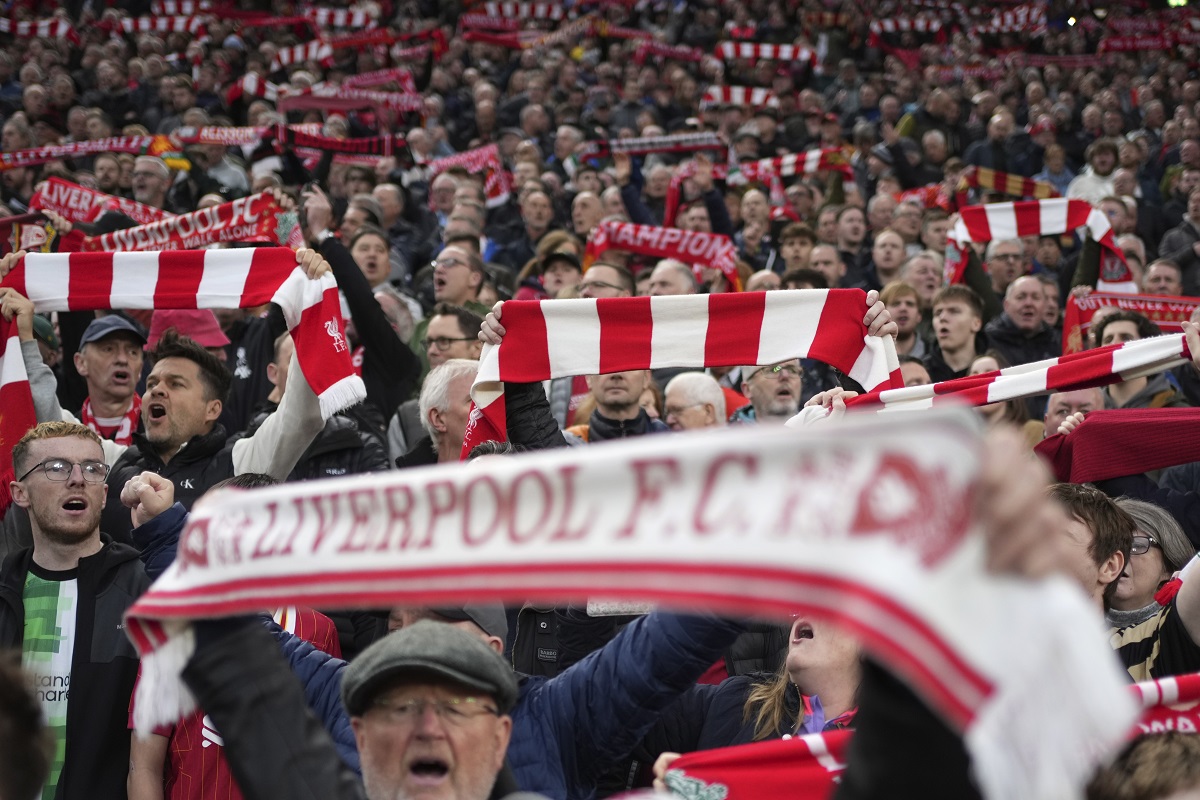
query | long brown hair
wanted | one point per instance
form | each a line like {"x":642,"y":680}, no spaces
{"x":767,"y":705}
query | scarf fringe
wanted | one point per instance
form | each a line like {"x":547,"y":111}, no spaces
{"x":341,"y":395}
{"x":162,"y":697}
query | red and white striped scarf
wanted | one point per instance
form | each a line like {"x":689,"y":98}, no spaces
{"x":1028,"y":19}
{"x":342,"y":18}
{"x":866,"y":522}
{"x":497,"y":182}
{"x":330,"y":98}
{"x":81,"y":204}
{"x":557,"y":338}
{"x":206,"y":279}
{"x":511,"y":10}
{"x":172,"y":8}
{"x":830,"y":159}
{"x":1036,"y":218}
{"x":712,"y":249}
{"x":192,"y":25}
{"x":809,"y":766}
{"x":16,"y":400}
{"x":255,"y":86}
{"x":129,"y":421}
{"x":1007,"y":183}
{"x":317,"y":50}
{"x":487,"y":22}
{"x":40,"y":29}
{"x":754,"y":51}
{"x":750,"y":96}
{"x":1099,"y":367}
{"x":644,"y":145}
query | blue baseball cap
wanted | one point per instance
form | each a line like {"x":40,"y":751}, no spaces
{"x":113,"y":323}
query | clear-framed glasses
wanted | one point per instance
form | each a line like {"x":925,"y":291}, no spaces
{"x":448,"y":263}
{"x":59,"y":470}
{"x":678,"y":410}
{"x":454,"y":711}
{"x":777,"y":371}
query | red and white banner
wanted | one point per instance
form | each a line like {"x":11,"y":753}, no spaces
{"x":257,"y":218}
{"x":80,"y":204}
{"x":245,"y":278}
{"x":547,"y":10}
{"x":728,"y":51}
{"x":748,"y":96}
{"x":560,"y":338}
{"x":712,"y":249}
{"x":1039,"y":217}
{"x":329,"y":98}
{"x":17,"y":402}
{"x":54,"y":152}
{"x":401,"y":76}
{"x":1099,"y":367}
{"x":1168,"y":313}
{"x":233,"y":137}
{"x":829,"y":159}
{"x":865,"y":522}
{"x":643,"y":145}
{"x":497,"y":183}
{"x":653,"y":47}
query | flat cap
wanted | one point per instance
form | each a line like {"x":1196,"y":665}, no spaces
{"x":434,"y":649}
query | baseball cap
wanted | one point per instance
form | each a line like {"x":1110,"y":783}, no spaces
{"x":562,"y":255}
{"x":99,"y":328}
{"x":490,"y":617}
{"x":43,"y":331}
{"x":431,"y":649}
{"x":882,"y":152}
{"x":198,"y":324}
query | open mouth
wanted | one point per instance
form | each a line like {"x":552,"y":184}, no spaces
{"x":75,"y":504}
{"x":802,"y":631}
{"x":429,"y":770}
{"x":157,"y":411}
{"x":120,"y":376}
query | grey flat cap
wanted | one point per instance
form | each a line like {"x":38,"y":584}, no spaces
{"x":429,"y":648}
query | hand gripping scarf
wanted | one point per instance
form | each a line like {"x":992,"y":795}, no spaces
{"x":206,"y":279}
{"x":867,"y":523}
{"x":556,"y":338}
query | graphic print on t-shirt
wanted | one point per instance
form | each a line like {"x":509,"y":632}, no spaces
{"x":51,"y":600}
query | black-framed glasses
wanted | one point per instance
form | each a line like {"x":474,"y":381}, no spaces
{"x":778,"y":370}
{"x":454,"y":711}
{"x":442,"y":343}
{"x":59,"y":470}
{"x":1142,"y":544}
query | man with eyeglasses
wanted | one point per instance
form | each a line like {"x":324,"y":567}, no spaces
{"x":774,"y":392}
{"x":458,"y":275}
{"x":61,"y":605}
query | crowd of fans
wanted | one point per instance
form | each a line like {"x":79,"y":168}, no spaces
{"x":174,"y":403}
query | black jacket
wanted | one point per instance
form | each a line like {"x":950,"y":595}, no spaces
{"x":203,"y":462}
{"x":103,"y":667}
{"x":1020,"y":347}
{"x":342,"y":448}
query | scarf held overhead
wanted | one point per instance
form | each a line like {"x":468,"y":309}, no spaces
{"x":713,"y":249}
{"x":16,"y":405}
{"x":81,"y":204}
{"x":863,"y":522}
{"x":206,"y":279}
{"x":257,"y":218}
{"x":557,"y":338}
{"x":1168,"y":313}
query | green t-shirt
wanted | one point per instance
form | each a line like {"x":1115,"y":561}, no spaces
{"x":51,"y":600}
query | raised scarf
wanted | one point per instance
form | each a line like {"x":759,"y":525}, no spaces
{"x":1098,"y":367}
{"x":1035,"y":218}
{"x":644,"y":145}
{"x":864,"y":523}
{"x":138,"y":145}
{"x":81,"y":204}
{"x":129,"y":421}
{"x":754,"y":51}
{"x":690,"y":247}
{"x":1111,"y":443}
{"x":808,"y":767}
{"x":1007,"y":183}
{"x":257,"y":218}
{"x":206,"y":279}
{"x":522,"y":11}
{"x":16,"y":400}
{"x":497,"y":182}
{"x":556,"y":338}
{"x":745,"y":96}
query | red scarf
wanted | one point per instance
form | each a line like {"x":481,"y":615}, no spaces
{"x":257,"y":218}
{"x":123,"y":433}
{"x":690,"y":247}
{"x":16,"y":400}
{"x":81,"y":204}
{"x":1111,"y":443}
{"x":1168,"y":313}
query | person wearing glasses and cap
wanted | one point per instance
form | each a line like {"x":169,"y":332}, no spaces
{"x":774,"y":392}
{"x":61,"y":606}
